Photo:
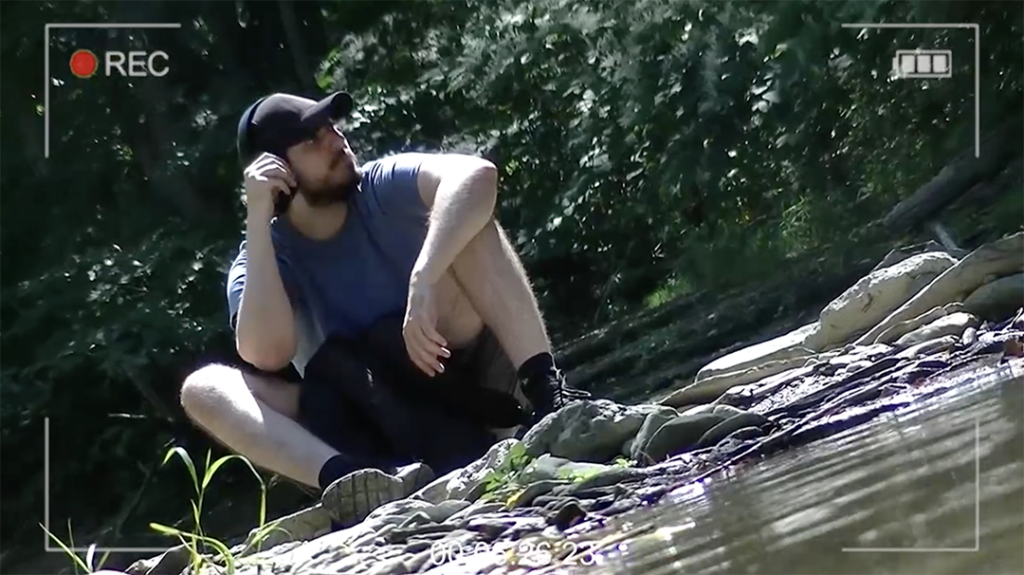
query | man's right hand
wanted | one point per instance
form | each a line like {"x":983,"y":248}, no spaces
{"x":266,"y":178}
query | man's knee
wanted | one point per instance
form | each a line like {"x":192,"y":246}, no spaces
{"x":214,"y":389}
{"x":206,"y":390}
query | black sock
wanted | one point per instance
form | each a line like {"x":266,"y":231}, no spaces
{"x":540,"y":365}
{"x":337,"y":467}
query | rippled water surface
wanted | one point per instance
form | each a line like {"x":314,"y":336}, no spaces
{"x":934,"y":489}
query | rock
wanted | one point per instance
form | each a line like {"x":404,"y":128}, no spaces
{"x":415,"y":520}
{"x":904,"y":327}
{"x":998,"y":258}
{"x":467,"y":483}
{"x":567,"y":516}
{"x":348,"y":562}
{"x":579,"y":470}
{"x":170,"y":562}
{"x":745,"y":434}
{"x":444,"y":510}
{"x":727,"y":411}
{"x":875,"y":296}
{"x":855,"y":366}
{"x":1018,"y":322}
{"x":302,"y":525}
{"x":785,"y":347}
{"x":553,"y":503}
{"x":493,"y":527}
{"x":998,"y":299}
{"x":421,"y":559}
{"x":901,"y":253}
{"x":574,"y":491}
{"x":927,"y":348}
{"x":331,"y":552}
{"x":613,"y":476}
{"x":746,"y":394}
{"x":401,"y":534}
{"x":414,"y":548}
{"x":544,"y":467}
{"x":599,"y":504}
{"x":474,"y":510}
{"x":403,"y":508}
{"x":710,"y":389}
{"x":726,"y":428}
{"x":954,"y":325}
{"x":969,"y":337}
{"x":678,"y":435}
{"x":589,"y":430}
{"x":652,"y":424}
{"x":623,"y":505}
{"x":699,"y":409}
{"x":535,"y":490}
{"x":853,"y":354}
{"x":393,"y":566}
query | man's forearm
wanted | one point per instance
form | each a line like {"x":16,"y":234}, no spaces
{"x":462,"y":207}
{"x":265,"y":328}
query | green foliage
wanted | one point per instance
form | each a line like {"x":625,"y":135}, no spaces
{"x":503,"y":482}
{"x":660,"y":138}
{"x":89,"y":563}
{"x":199,"y":556}
{"x":191,"y":539}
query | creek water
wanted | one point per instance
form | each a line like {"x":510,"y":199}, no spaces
{"x":935,"y":488}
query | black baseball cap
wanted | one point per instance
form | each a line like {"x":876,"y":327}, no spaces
{"x":277,"y":122}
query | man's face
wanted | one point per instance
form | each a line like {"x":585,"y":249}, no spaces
{"x":325,"y":167}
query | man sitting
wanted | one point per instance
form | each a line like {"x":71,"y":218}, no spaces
{"x":397,"y":298}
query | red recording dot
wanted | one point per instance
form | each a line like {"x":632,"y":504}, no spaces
{"x":83,"y":63}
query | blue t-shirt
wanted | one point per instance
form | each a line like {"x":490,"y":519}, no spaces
{"x":342,"y":285}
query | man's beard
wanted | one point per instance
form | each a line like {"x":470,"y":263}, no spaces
{"x":335,"y":194}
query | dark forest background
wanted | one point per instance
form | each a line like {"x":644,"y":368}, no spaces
{"x":648,"y":149}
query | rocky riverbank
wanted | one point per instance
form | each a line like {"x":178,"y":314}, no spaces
{"x":916,"y":325}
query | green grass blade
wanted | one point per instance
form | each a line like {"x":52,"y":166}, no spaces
{"x":212,"y":470}
{"x":221,"y":548}
{"x":196,"y":516}
{"x":187,"y":459}
{"x":78,"y":560}
{"x":261,"y":534}
{"x":103,"y":560}
{"x":225,"y":553}
{"x":71,"y":539}
{"x":187,"y":539}
{"x":263,"y":485}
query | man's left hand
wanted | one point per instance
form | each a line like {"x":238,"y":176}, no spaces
{"x":425,"y":346}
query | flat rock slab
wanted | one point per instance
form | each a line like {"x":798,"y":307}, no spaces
{"x":876,"y":295}
{"x":995,"y":259}
{"x":592,"y":430}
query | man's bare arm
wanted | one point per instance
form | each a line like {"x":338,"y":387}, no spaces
{"x":461,"y":192}
{"x":265,"y":329}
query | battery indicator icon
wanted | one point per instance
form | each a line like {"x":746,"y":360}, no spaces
{"x":923,"y":64}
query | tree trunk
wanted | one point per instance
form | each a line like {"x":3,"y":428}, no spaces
{"x":997,"y":151}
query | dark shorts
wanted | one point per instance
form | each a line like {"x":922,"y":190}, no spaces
{"x":366,"y":398}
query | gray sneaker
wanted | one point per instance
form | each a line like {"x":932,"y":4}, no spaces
{"x":351,"y":498}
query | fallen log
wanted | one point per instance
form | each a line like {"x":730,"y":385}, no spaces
{"x":999,"y":149}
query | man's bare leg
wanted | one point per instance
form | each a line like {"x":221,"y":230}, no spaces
{"x":255,"y":416}
{"x":495,"y":282}
{"x":457,"y":320}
